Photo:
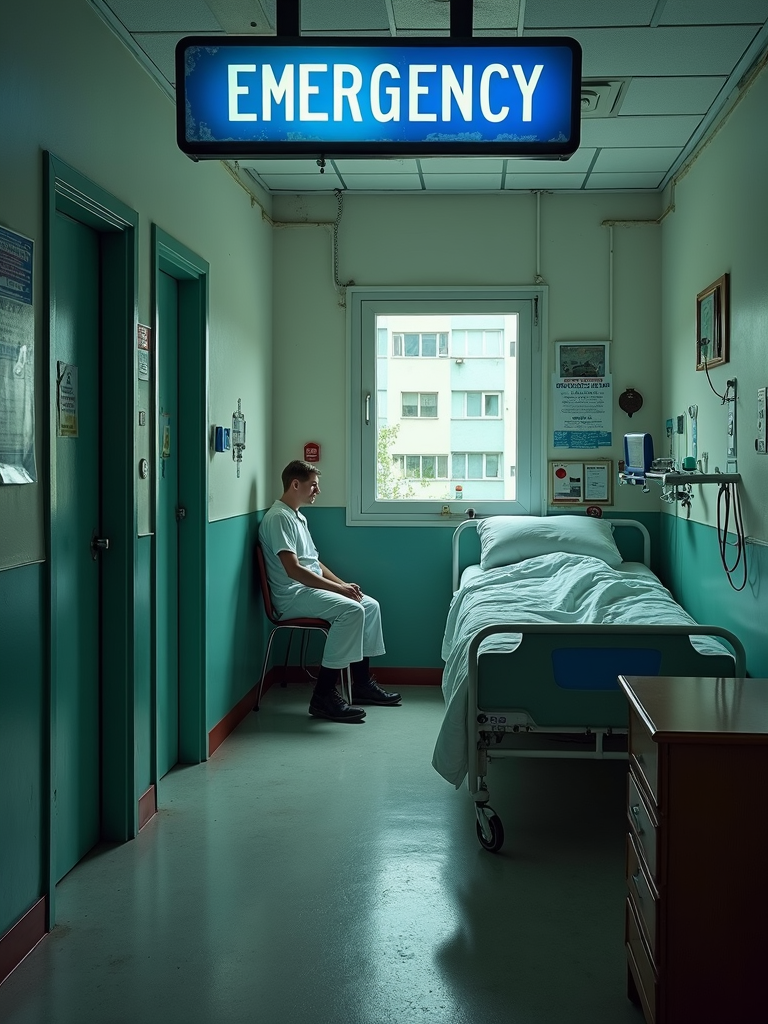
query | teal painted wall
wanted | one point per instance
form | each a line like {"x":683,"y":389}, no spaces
{"x":143,"y":737}
{"x":235,"y":616}
{"x":694,"y":573}
{"x":23,"y":741}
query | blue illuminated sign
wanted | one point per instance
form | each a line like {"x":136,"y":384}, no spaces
{"x":347,"y":97}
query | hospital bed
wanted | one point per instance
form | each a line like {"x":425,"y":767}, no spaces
{"x":543,"y":619}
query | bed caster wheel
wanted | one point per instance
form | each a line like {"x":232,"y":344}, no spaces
{"x":490,"y":833}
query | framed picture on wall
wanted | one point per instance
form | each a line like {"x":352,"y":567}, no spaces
{"x":712,"y":323}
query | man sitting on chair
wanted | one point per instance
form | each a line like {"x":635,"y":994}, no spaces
{"x":301,"y":586}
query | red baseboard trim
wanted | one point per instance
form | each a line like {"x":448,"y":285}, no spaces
{"x":22,"y":938}
{"x":230,"y":721}
{"x":147,"y":806}
{"x":294,"y":674}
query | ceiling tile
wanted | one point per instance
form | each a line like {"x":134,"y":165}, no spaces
{"x":383,"y":182}
{"x":713,"y":12}
{"x":462,"y":182}
{"x":639,"y":131}
{"x":461,"y":165}
{"x":580,"y":161}
{"x":671,"y":95}
{"x":528,"y":181}
{"x":184,"y":16}
{"x":624,"y":181}
{"x":376,"y":166}
{"x":586,"y":13}
{"x":301,"y":182}
{"x":629,"y":159}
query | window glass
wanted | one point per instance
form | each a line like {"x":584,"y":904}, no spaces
{"x":428,"y":405}
{"x":439,"y":422}
{"x":410,"y":406}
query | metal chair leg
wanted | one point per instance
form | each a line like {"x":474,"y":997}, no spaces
{"x":264,"y":670}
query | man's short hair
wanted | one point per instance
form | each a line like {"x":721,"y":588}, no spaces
{"x":298,"y":470}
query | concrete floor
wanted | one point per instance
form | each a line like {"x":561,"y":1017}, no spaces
{"x":312,"y":872}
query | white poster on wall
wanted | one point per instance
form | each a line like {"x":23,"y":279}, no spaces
{"x":582,"y":402}
{"x":17,"y":362}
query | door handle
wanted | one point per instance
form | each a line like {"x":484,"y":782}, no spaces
{"x":98,"y":544}
{"x":181,"y":513}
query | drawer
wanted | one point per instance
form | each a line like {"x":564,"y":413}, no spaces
{"x":644,"y":753}
{"x":643,"y":826}
{"x":642,"y":895}
{"x":640,"y":964}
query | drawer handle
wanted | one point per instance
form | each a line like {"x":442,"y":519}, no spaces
{"x":636,"y":880}
{"x":636,"y":815}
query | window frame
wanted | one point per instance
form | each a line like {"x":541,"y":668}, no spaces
{"x":364,"y":305}
{"x":483,"y":395}
{"x":419,"y":415}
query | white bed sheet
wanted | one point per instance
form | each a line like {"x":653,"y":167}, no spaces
{"x":554,"y":588}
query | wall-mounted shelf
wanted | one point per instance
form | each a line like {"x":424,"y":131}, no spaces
{"x":672,"y":479}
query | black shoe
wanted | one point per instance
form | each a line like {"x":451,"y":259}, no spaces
{"x":333,"y":706}
{"x":372,"y":693}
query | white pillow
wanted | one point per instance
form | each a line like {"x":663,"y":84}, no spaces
{"x":505,"y":540}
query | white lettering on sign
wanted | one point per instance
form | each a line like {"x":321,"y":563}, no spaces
{"x":236,"y":90}
{"x":415,"y":90}
{"x":526,"y":88}
{"x":271,"y":90}
{"x":393,"y":114}
{"x":348,"y":92}
{"x":306,"y":89}
{"x":347,"y":85}
{"x":461,"y":93}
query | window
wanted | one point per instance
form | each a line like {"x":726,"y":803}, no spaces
{"x":474,"y":405}
{"x":476,"y":465}
{"x":421,"y":467}
{"x":473,"y":354}
{"x":476,"y":343}
{"x":418,"y":403}
{"x":426,"y":345}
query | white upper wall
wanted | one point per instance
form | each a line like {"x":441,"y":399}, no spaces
{"x":68,"y":85}
{"x":718,"y":224}
{"x":462,"y":240}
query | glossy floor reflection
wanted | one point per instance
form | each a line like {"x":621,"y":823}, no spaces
{"x":311,"y":872}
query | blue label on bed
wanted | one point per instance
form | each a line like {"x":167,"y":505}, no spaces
{"x":594,"y":668}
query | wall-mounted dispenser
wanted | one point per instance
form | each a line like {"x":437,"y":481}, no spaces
{"x":238,"y":436}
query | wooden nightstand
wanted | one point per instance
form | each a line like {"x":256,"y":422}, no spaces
{"x":697,"y":849}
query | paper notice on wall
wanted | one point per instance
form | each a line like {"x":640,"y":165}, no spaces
{"x":582,"y":411}
{"x":66,"y":400}
{"x":17,"y":362}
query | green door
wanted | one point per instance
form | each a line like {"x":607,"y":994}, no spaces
{"x":75,"y":337}
{"x":167,"y":528}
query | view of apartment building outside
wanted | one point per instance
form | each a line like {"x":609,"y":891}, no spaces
{"x":446,"y":407}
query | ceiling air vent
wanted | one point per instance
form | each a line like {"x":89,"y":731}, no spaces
{"x":601,"y":99}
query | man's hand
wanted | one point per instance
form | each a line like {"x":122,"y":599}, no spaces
{"x":352,"y":591}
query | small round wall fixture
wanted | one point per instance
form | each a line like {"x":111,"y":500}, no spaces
{"x":630,"y":401}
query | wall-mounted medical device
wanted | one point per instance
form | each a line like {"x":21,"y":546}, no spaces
{"x":638,"y":457}
{"x":238,"y":436}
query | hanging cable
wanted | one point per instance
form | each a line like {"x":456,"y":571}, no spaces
{"x":727,"y":497}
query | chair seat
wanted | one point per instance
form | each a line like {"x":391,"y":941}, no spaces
{"x":305,"y":623}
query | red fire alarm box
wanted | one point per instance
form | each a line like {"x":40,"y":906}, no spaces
{"x":311,"y":451}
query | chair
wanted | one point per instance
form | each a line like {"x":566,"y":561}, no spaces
{"x":305,"y":624}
